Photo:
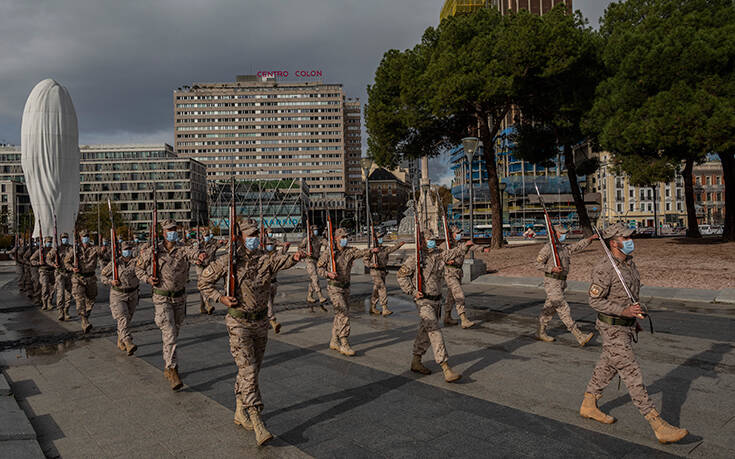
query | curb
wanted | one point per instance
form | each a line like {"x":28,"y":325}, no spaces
{"x":17,"y":437}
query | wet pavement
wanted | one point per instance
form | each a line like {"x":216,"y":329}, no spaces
{"x":518,"y":396}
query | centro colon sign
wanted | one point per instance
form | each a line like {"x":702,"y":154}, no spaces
{"x":285,"y":74}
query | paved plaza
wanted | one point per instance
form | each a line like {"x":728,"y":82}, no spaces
{"x":518,"y":396}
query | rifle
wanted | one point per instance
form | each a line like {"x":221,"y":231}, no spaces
{"x":330,"y":230}
{"x":419,"y":273}
{"x":231,"y":278}
{"x":199,"y":232}
{"x":375,"y":243}
{"x":550,"y":230}
{"x":56,"y":243}
{"x":308,"y":235}
{"x":42,"y":260}
{"x":631,"y":298}
{"x":74,"y":249}
{"x":154,"y":236}
{"x":113,"y":246}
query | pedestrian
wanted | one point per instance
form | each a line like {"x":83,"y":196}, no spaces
{"x":247,"y":318}
{"x":124,"y":294}
{"x":310,"y":261}
{"x":84,"y":279}
{"x":338,"y":287}
{"x":428,"y":303}
{"x":45,"y":273}
{"x":555,"y":284}
{"x":62,"y":276}
{"x":209,"y":246}
{"x":453,"y":273}
{"x":169,"y":291}
{"x":616,"y":322}
{"x":378,"y":264}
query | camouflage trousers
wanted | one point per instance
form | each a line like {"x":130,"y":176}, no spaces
{"x":122,"y":307}
{"x":247,"y":345}
{"x":84,"y":290}
{"x":555,"y":302}
{"x":338,"y":297}
{"x":271,"y":299}
{"x":380,"y":293}
{"x":20,"y":272}
{"x":618,"y":358}
{"x":27,"y":281}
{"x":455,"y":295}
{"x":47,"y":280}
{"x":428,"y":332}
{"x":35,"y":285}
{"x":169,"y":315}
{"x":63,"y":290}
{"x":202,"y":300}
{"x":313,"y":287}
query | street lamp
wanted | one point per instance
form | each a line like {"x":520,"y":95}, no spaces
{"x":470,"y":147}
{"x":366,"y":164}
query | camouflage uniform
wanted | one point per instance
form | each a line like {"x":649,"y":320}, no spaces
{"x":555,"y":285}
{"x":34,"y":282}
{"x":25,"y":257}
{"x":338,"y":289}
{"x":210,"y":248}
{"x":453,"y":272}
{"x":274,"y":284}
{"x":123,"y":297}
{"x":84,"y":282}
{"x":45,"y":275}
{"x":378,"y":264}
{"x":63,"y":279}
{"x":310,"y":261}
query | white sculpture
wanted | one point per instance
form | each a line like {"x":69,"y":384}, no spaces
{"x":50,"y":156}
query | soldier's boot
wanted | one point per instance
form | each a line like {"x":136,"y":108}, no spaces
{"x":66,"y":313}
{"x":241,"y":418}
{"x":386,"y":311}
{"x":261,"y":433}
{"x":202,"y":309}
{"x":173,"y":378}
{"x":61,"y":317}
{"x":334,"y":343}
{"x":449,"y":375}
{"x":665,"y":432}
{"x":120,"y":344}
{"x":276,"y":326}
{"x":86,"y":326}
{"x":582,"y":338}
{"x":418,"y":367}
{"x":466,"y":323}
{"x":344,"y":348}
{"x":589,"y":410}
{"x":322,"y":300}
{"x":373,"y":309}
{"x":130,"y":347}
{"x":43,"y":304}
{"x":541,"y":334}
{"x":448,"y":318}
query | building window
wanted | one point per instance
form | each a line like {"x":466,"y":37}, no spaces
{"x":709,"y":180}
{"x":668,"y":206}
{"x":698,"y":180}
{"x":632,"y":207}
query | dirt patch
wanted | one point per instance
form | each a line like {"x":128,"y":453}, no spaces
{"x":671,"y":262}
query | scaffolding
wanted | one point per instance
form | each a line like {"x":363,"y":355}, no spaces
{"x":455,"y":7}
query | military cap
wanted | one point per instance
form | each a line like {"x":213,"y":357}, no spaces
{"x":48,"y":239}
{"x":83,"y":233}
{"x":561,"y":229}
{"x":455,"y":229}
{"x":618,"y":229}
{"x":248,"y":227}
{"x":66,"y":235}
{"x":128,"y":245}
{"x":169,"y":224}
{"x":428,"y":234}
{"x":340,"y":233}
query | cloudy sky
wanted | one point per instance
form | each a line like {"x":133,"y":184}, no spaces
{"x":120,"y":60}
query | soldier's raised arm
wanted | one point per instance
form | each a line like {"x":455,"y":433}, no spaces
{"x":600,"y":290}
{"x":207,"y":283}
{"x":142,"y":264}
{"x":323,"y":264}
{"x":406,"y":276}
{"x":460,"y":250}
{"x":581,"y":245}
{"x":543,"y":257}
{"x":394,"y":247}
{"x":281,"y":261}
{"x":105,"y":274}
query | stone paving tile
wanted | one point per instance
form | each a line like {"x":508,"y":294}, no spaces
{"x":21,"y":449}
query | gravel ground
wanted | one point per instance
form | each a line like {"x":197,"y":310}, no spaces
{"x":668,"y":262}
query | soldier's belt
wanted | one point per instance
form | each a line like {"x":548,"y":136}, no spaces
{"x":46,"y":269}
{"x":453,"y":266}
{"x":124,"y":290}
{"x":339,"y":284}
{"x":250,"y":316}
{"x":615,"y":320}
{"x":169,"y":293}
{"x":84,"y":274}
{"x":558,"y":276}
{"x":431,"y":297}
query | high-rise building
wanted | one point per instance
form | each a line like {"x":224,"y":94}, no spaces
{"x":455,"y":7}
{"x":257,"y":127}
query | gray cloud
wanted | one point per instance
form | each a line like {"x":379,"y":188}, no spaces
{"x":121,"y":60}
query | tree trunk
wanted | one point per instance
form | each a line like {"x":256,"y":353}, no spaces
{"x":487,"y":135}
{"x":728,"y":175}
{"x":584,"y":219}
{"x":692,"y":226}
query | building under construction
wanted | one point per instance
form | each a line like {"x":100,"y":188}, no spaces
{"x":456,"y":7}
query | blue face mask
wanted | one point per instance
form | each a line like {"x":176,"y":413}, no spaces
{"x":343,"y":242}
{"x":85,"y":240}
{"x":48,"y":245}
{"x":172,"y":236}
{"x":380,"y":240}
{"x":126,"y":253}
{"x":64,"y":240}
{"x":458,"y":237}
{"x":316,"y":232}
{"x":252,"y":243}
{"x":137,"y":240}
{"x":431,"y":244}
{"x":269,"y":247}
{"x":562,"y":237}
{"x":207,"y":238}
{"x":628,"y":246}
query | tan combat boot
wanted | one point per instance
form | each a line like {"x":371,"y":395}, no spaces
{"x":120,"y":344}
{"x":582,"y":338}
{"x":374,"y":310}
{"x":241,"y":418}
{"x":466,"y":323}
{"x":448,"y":318}
{"x":276,"y":326}
{"x":418,"y":367}
{"x":321,"y":304}
{"x":173,"y":377}
{"x":66,"y":314}
{"x":334,"y":343}
{"x":261,"y":433}
{"x":86,"y":326}
{"x":386,"y":311}
{"x":665,"y":432}
{"x":589,"y":410}
{"x":61,"y":317}
{"x":344,"y":348}
{"x":541,"y":335}
{"x":202,"y":309}
{"x":130,"y":347}
{"x":449,"y":375}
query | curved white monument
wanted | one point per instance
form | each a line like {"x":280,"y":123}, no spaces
{"x":50,"y":156}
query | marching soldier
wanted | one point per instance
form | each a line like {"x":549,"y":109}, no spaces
{"x":84,"y":279}
{"x":310,"y":261}
{"x":45,"y":274}
{"x":270,"y":247}
{"x":29,"y":288}
{"x":555,"y":284}
{"x":616,"y":322}
{"x":378,"y":264}
{"x":169,"y":291}
{"x":338,"y":287}
{"x":453,"y":272}
{"x":34,"y":277}
{"x":247,"y":318}
{"x":63,"y":277}
{"x":428,"y":303}
{"x":16,"y":253}
{"x":123,"y":295}
{"x":209,"y":246}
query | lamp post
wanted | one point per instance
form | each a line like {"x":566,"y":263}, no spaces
{"x":366,"y":164}
{"x":470,"y":147}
